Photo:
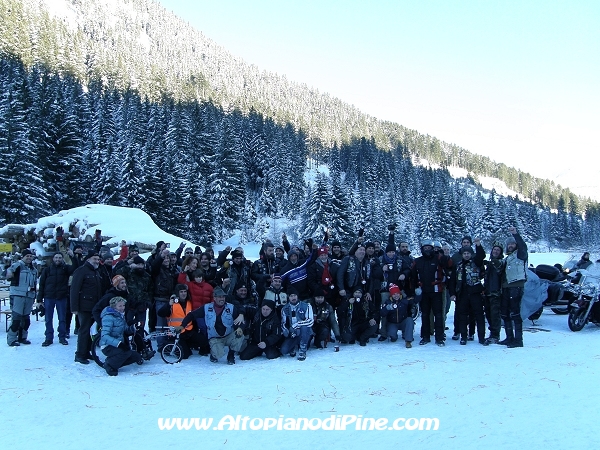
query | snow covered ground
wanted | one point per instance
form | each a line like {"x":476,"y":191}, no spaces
{"x":537,"y":396}
{"x":479,"y":395}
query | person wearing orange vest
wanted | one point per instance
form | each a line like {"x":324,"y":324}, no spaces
{"x":178,"y":307}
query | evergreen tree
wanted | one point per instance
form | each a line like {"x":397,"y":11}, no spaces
{"x":319,"y":211}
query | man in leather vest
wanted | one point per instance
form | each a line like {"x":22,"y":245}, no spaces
{"x":514,"y":275}
{"x":223,"y":324}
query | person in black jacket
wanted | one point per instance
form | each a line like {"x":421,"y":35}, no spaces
{"x":359,"y":312}
{"x":105,"y":270}
{"x":427,"y":275}
{"x":493,"y":295}
{"x":466,"y":290}
{"x":53,"y":292}
{"x":118,"y":289}
{"x":264,"y":268}
{"x":325,"y":321}
{"x":163,"y":282}
{"x":321,"y":277}
{"x":358,"y":272}
{"x":265,"y":333}
{"x":86,"y":290}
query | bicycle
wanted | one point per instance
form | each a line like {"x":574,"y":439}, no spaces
{"x":171,"y":353}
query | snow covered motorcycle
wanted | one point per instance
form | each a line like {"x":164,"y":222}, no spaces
{"x":563,"y":285}
{"x":586,"y":308}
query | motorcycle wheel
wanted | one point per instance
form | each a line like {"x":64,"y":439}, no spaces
{"x":560,"y":311}
{"x":577,"y":319}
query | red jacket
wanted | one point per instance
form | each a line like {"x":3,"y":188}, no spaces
{"x":200,"y":293}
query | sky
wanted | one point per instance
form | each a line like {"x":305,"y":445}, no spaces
{"x":513,"y":80}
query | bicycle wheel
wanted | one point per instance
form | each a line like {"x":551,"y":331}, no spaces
{"x":99,"y":357}
{"x":171,"y":353}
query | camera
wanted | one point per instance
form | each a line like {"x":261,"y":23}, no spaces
{"x":392,"y":227}
{"x":168,"y":245}
{"x":40,"y":310}
{"x":390,"y":266}
{"x":361,"y":232}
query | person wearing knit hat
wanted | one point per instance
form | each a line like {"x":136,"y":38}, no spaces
{"x":467,"y":249}
{"x":320,"y":277}
{"x":336,"y":254}
{"x":325,"y":321}
{"x":279,"y":255}
{"x":291,"y":290}
{"x":465,"y":286}
{"x":241,"y":295}
{"x":493,"y":295}
{"x":118,"y":289}
{"x":398,"y":313}
{"x":263,"y":268}
{"x":466,"y":241}
{"x":296,"y":324}
{"x":275,"y":293}
{"x":265,"y":333}
{"x":363,"y":324}
{"x":393,"y":272}
{"x":119,"y":282}
{"x":394,"y":289}
{"x":86,"y":291}
{"x":140,"y":288}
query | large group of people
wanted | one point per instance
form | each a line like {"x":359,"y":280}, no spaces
{"x":291,"y":299}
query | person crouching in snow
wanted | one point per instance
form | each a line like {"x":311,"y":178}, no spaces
{"x":397,"y":310}
{"x":113,"y":340}
{"x":296,"y":323}
{"x":265,"y":332}
{"x":223,"y":324}
{"x":364,"y":317}
{"x":325,"y":321}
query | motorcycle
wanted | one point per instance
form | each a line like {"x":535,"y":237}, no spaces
{"x":563,"y":288}
{"x":586,"y":308}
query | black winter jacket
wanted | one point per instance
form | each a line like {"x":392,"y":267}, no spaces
{"x":86,"y":288}
{"x":54,"y":282}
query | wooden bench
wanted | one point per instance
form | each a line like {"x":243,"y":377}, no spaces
{"x":4,"y":295}
{"x":8,"y":314}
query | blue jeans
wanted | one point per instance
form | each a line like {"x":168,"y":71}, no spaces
{"x":61,"y":310}
{"x":302,"y":337}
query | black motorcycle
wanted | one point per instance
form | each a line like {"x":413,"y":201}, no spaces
{"x":563,"y":288}
{"x":586,"y":308}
